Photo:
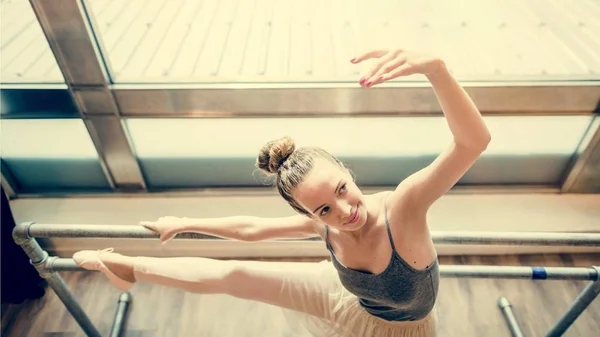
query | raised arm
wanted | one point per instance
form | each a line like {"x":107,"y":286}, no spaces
{"x":241,"y":228}
{"x":470,"y":134}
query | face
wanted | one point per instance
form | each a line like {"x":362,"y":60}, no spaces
{"x":329,"y":193}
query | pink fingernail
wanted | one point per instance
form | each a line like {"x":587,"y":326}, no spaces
{"x":368,"y":84}
{"x":362,"y":80}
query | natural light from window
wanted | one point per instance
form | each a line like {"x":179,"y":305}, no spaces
{"x":46,"y":138}
{"x":371,"y":137}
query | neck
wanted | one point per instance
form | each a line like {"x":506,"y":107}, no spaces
{"x":357,"y":235}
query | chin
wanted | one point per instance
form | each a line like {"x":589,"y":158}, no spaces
{"x":354,"y":227}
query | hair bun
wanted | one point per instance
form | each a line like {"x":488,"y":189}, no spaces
{"x":274,"y":154}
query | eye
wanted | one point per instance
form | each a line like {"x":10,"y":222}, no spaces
{"x":343,"y":189}
{"x":324,"y":210}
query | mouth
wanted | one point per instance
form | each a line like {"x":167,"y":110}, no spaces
{"x":354,"y":217}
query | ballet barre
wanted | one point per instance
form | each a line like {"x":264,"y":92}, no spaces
{"x":24,"y":235}
{"x":439,"y":237}
{"x":54,"y":263}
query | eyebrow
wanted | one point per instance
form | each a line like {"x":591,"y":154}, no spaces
{"x":336,"y":189}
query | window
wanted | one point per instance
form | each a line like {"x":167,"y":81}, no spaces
{"x":381,"y":151}
{"x":303,"y":42}
{"x":25,"y":56}
{"x":51,"y":155}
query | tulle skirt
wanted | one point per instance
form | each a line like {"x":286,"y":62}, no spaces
{"x":321,"y":306}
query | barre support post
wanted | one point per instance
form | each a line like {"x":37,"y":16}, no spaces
{"x":38,"y":258}
{"x":583,"y":300}
{"x":509,"y":315}
{"x":120,"y":315}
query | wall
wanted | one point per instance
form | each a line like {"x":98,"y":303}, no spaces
{"x":542,"y":212}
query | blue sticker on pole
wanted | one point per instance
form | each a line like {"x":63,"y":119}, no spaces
{"x":538,"y":273}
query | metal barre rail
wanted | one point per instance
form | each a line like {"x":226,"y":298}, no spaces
{"x":502,"y":272}
{"x":439,"y":237}
{"x":48,"y":266}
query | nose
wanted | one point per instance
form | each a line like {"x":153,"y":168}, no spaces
{"x":345,"y":210}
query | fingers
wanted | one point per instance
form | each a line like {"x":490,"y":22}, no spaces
{"x":402,"y":70}
{"x":368,"y":78}
{"x":369,"y":55}
{"x":151,"y":225}
{"x":147,"y":224}
{"x":390,"y":66}
{"x":166,"y":237}
{"x":384,"y":69}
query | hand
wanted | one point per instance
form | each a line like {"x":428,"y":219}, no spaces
{"x":395,"y":63}
{"x":167,"y":227}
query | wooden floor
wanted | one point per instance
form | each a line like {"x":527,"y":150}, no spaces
{"x":279,"y":40}
{"x":466,"y":307}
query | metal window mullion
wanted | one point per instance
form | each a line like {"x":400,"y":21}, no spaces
{"x":8,"y":183}
{"x":584,"y":174}
{"x":347,"y":99}
{"x":68,"y":31}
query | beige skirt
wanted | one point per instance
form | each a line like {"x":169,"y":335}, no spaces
{"x":323,"y":307}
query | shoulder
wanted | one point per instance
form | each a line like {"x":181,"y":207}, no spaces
{"x":310,"y":226}
{"x":379,"y":197}
{"x":401,"y":207}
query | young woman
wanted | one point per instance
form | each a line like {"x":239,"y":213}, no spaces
{"x":383,"y":276}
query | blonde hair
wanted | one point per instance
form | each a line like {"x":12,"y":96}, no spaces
{"x":290,"y":165}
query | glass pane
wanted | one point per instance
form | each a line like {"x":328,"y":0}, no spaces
{"x":51,"y":154}
{"x":37,"y":103}
{"x":25,"y":56}
{"x":381,"y":151}
{"x":313,"y":41}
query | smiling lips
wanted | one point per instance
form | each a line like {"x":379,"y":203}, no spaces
{"x":354,"y":217}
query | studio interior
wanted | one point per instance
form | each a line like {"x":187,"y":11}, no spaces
{"x":120,"y":113}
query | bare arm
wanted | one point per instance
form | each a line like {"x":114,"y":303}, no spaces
{"x":241,"y":228}
{"x":470,"y":138}
{"x":464,"y":119}
{"x":470,"y":134}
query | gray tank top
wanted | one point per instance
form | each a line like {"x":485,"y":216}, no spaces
{"x":399,"y":293}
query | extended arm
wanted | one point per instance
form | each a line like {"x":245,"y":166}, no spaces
{"x":241,"y":228}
